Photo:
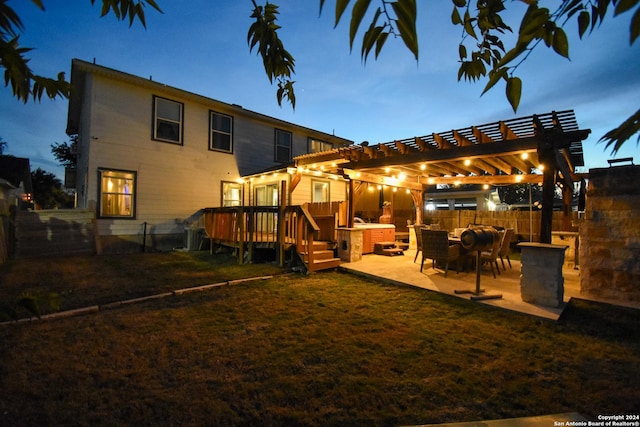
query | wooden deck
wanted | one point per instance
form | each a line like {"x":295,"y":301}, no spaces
{"x":249,"y":228}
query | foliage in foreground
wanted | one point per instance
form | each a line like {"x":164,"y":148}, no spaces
{"x":328,"y":349}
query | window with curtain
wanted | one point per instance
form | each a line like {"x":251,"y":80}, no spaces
{"x":117,"y":193}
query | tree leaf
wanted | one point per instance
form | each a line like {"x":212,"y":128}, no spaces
{"x":560,"y":42}
{"x":512,"y":54}
{"x":625,"y":5}
{"x":357,"y":14}
{"x":583,"y":22}
{"x":533,"y":24}
{"x":460,"y":3}
{"x":455,"y":17}
{"x":382,"y":38}
{"x":462,"y":51}
{"x":369,"y":38}
{"x":369,"y":41}
{"x":341,"y":5}
{"x":468,"y":25}
{"x":406,"y":12}
{"x":514,"y":91}
{"x":494,"y":77}
{"x":616,"y":137}
{"x":635,"y":27}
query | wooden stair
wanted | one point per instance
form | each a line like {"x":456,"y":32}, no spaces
{"x":323,"y":256}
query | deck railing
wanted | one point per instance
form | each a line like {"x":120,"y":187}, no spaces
{"x":246,"y":227}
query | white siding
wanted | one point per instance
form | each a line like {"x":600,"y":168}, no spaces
{"x":173,"y":182}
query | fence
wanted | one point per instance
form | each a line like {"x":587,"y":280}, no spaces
{"x":526,"y":224}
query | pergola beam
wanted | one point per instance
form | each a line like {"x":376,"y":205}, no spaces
{"x":483,"y":151}
{"x":380,"y":179}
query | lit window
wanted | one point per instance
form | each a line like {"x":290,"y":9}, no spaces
{"x":117,"y":194}
{"x":231,"y":194}
{"x":221,"y":132}
{"x":167,"y":120}
{"x":320,"y":191}
{"x":283,"y":146}
{"x":317,"y":146}
{"x":266,"y":195}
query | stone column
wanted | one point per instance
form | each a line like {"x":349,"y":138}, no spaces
{"x":350,"y":244}
{"x":541,"y":280}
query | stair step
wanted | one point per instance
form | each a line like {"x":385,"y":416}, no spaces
{"x":324,"y":264}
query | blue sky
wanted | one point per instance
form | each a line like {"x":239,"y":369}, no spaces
{"x":202,"y":48}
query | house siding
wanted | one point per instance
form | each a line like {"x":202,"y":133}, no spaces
{"x":173,"y":181}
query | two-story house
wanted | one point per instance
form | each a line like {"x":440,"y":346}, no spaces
{"x":151,"y":156}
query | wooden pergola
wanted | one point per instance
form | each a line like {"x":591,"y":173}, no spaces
{"x":543,"y":148}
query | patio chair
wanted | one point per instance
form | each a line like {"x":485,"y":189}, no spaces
{"x":417,"y":228}
{"x":435,"y":246}
{"x":492,"y":256}
{"x":505,"y":247}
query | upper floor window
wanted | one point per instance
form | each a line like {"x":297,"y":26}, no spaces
{"x":316,"y":146}
{"x":220,"y":132}
{"x":168,"y":117}
{"x":117,"y":193}
{"x":283,"y":146}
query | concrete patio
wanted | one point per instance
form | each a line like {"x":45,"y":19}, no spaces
{"x":402,"y":270}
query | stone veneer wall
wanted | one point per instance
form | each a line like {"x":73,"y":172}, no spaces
{"x":610,"y":235}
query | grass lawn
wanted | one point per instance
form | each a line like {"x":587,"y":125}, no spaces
{"x":325,"y":349}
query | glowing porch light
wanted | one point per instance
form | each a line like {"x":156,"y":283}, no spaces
{"x":524,"y":156}
{"x":467,"y":162}
{"x":541,"y":167}
{"x":431,"y":180}
{"x":395,"y":189}
{"x":519,"y":178}
{"x":402,"y":176}
{"x":423,"y":166}
{"x":407,"y":191}
{"x":485,"y":187}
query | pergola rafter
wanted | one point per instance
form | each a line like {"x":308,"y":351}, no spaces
{"x":504,"y":152}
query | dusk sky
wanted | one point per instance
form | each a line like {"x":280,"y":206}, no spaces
{"x":201,"y":46}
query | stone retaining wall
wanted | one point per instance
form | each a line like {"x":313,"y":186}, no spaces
{"x":610,"y":234}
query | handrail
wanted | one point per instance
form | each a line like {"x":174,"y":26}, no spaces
{"x":242,"y":226}
{"x":308,"y":217}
